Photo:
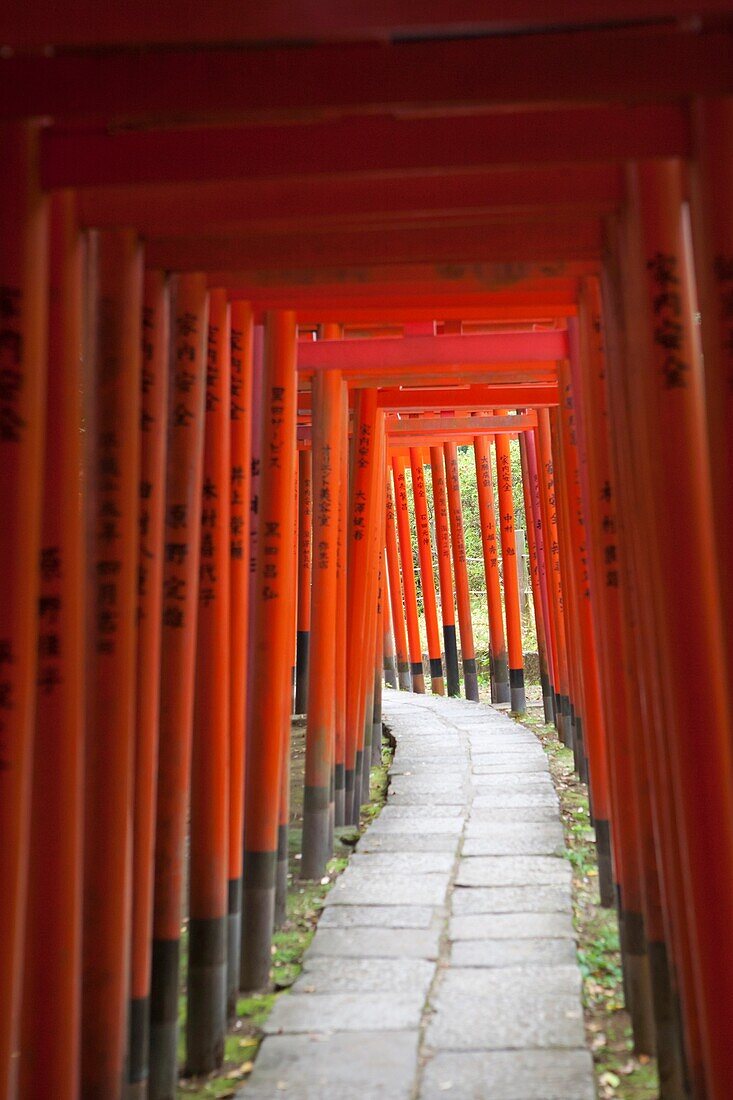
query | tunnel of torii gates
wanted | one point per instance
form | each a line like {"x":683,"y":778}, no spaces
{"x":239,"y":300}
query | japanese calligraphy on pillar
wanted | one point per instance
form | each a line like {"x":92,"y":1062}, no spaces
{"x":326,"y":537}
{"x":490,"y":540}
{"x":669,"y":323}
{"x":607,"y":512}
{"x":181,"y":516}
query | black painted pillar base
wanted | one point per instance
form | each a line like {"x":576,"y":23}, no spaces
{"x":558,"y":714}
{"x":436,"y":676}
{"x":566,"y":735}
{"x":356,"y":797}
{"x":637,"y":983}
{"x":366,"y":758}
{"x":673,"y":1077}
{"x":403,"y":676}
{"x":605,"y":864}
{"x":206,"y":1018}
{"x":452,"y":670}
{"x":418,"y":677}
{"x":517,"y":697}
{"x":390,"y":672}
{"x":470,"y":679}
{"x":302,"y":652}
{"x":281,"y":879}
{"x":339,"y":779}
{"x":138,"y":1055}
{"x":501,"y":679}
{"x":164,"y":1020}
{"x":317,"y":846}
{"x":377,"y":725}
{"x":349,"y":797}
{"x":548,"y":700}
{"x":234,"y":936}
{"x":258,"y":918}
{"x":576,"y":725}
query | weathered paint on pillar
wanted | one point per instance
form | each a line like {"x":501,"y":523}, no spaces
{"x":23,"y":332}
{"x":427,"y":577}
{"x":445,"y":577}
{"x":408,"y":575}
{"x":209,"y":814}
{"x":395,"y":592}
{"x":240,"y":416}
{"x":111,"y":662}
{"x":320,"y":728}
{"x":305,"y":565}
{"x":490,"y":548}
{"x":505,"y":493}
{"x":460,"y":571}
{"x":182,"y":534}
{"x":49,"y":1056}
{"x":153,"y":424}
{"x":272,"y":647}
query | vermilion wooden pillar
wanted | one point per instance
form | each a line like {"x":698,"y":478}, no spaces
{"x":633,"y":841}
{"x":460,"y":572}
{"x":442,"y":540}
{"x":153,"y":422}
{"x":241,"y":416}
{"x":49,"y":1055}
{"x":395,"y":591}
{"x":712,"y":223}
{"x":305,"y":558}
{"x":23,"y":332}
{"x":111,"y":661}
{"x":388,"y":648}
{"x":505,"y":494}
{"x":339,"y":769}
{"x":540,"y":530}
{"x":552,"y":561}
{"x":272,"y":647}
{"x":320,"y":729}
{"x":408,"y":575}
{"x":182,"y":536}
{"x":209,"y":815}
{"x":485,"y":492}
{"x":670,"y":961}
{"x":668,"y":385}
{"x":536,"y":578}
{"x":427,"y":577}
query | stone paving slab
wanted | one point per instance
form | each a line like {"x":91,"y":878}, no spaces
{"x":513,"y":871}
{"x":380,"y":943}
{"x":361,"y":887}
{"x":408,"y":842}
{"x":510,"y":925}
{"x":537,"y":1075}
{"x":526,"y":839}
{"x":377,"y":1065}
{"x":354,"y":1011}
{"x":360,"y":975}
{"x":512,"y":1008}
{"x":529,"y":952}
{"x":512,"y":899}
{"x":444,"y":962}
{"x":407,"y":863}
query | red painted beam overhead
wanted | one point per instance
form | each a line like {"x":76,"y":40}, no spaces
{"x":365,"y":145}
{"x":158,"y":209}
{"x":505,"y":243}
{"x":460,"y":425}
{"x":431,"y":75}
{"x":412,"y":353}
{"x":532,"y":395}
{"x":90,"y":23}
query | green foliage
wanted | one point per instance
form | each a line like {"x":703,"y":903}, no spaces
{"x":472,"y":535}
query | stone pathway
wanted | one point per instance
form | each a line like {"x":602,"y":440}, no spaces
{"x":444,"y":963}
